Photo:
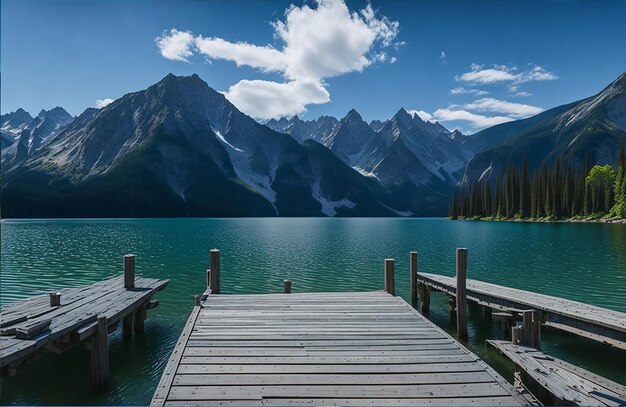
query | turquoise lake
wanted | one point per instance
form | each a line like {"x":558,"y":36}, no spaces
{"x":582,"y":262}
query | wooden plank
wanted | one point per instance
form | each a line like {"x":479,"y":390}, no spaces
{"x":357,"y":369}
{"x":167,"y":378}
{"x":335,"y":379}
{"x":408,"y":401}
{"x":348,"y":391}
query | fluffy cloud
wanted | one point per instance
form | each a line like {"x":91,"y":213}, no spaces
{"x":477,"y":121}
{"x":422,"y":114}
{"x":513,"y":110}
{"x":269,"y":99}
{"x":460,"y":90}
{"x":316,"y":43}
{"x":502,"y":73}
{"x":100,"y":103}
{"x":176,"y":45}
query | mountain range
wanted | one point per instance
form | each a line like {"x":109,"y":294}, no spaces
{"x":180,"y":148}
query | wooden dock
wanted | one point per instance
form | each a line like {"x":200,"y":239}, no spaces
{"x":58,"y":321}
{"x":600,"y":324}
{"x":345,"y":348}
{"x":556,"y":382}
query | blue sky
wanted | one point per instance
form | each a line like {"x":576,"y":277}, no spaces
{"x":466,"y":64}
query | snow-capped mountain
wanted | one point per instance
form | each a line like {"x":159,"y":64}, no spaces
{"x":304,"y":130}
{"x":29,"y":134}
{"x":12,"y":124}
{"x":179,"y":148}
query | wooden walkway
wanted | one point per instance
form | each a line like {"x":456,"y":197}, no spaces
{"x":600,"y":324}
{"x":556,"y":382}
{"x":359,"y":348}
{"x":58,"y":321}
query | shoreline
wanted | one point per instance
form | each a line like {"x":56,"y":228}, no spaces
{"x":540,"y":220}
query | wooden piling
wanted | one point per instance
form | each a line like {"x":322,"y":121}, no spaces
{"x":424,"y":298}
{"x":461,"y":294}
{"x":138,"y":318}
{"x":515,"y":334}
{"x":530,"y":334}
{"x":413,"y":277}
{"x":452,"y":305}
{"x":55,"y":299}
{"x":390,"y":282}
{"x":197,"y":300}
{"x":129,"y":271}
{"x":127,"y":326}
{"x":214,"y":274}
{"x":100,"y":356}
{"x":287,"y":286}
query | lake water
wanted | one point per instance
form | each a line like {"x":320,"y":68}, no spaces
{"x":584,"y":262}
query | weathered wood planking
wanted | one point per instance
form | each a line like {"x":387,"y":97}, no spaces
{"x":556,"y":382}
{"x":329,"y":348}
{"x":73,"y":320}
{"x":600,"y":324}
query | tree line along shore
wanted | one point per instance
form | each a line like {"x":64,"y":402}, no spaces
{"x":557,"y":192}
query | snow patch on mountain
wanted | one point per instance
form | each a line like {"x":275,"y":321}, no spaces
{"x":241,"y":164}
{"x":329,"y":208}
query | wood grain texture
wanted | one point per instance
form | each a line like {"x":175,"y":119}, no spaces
{"x":327,"y":348}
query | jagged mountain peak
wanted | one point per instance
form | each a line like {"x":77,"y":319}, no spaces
{"x":353,"y":116}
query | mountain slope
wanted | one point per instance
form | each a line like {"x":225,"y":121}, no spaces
{"x":31,"y":134}
{"x":591,"y":129}
{"x":179,"y":148}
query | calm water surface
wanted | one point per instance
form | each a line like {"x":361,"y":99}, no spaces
{"x":584,"y":262}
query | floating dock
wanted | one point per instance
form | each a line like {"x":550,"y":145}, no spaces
{"x":600,"y":324}
{"x":344,"y":348}
{"x":58,"y":321}
{"x":557,"y":382}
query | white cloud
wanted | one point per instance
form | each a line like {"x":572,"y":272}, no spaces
{"x":273,"y":100}
{"x":503,"y":73}
{"x":443,"y":56}
{"x":422,"y":114}
{"x":460,"y":90}
{"x":393,"y":60}
{"x":513,"y":110}
{"x":175,"y":45}
{"x":523,"y":94}
{"x":265,"y":58}
{"x":316,"y":43}
{"x":100,"y":103}
{"x":476,"y":121}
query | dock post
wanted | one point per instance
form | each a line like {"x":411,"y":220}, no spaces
{"x":461,"y":294}
{"x":129,"y":271}
{"x":138,"y":318}
{"x":100,"y":356}
{"x":287,"y":286}
{"x":425,"y":298}
{"x":127,"y":326}
{"x":197,"y":300}
{"x":413,"y":276}
{"x":390,"y":282}
{"x":55,"y":299}
{"x":531,"y":329}
{"x":515,"y":334}
{"x":214,"y":283}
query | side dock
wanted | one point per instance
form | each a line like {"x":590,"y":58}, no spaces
{"x":343,"y":348}
{"x":60,"y":320}
{"x":600,"y":324}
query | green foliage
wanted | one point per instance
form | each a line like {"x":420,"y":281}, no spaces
{"x":619,"y":188}
{"x":551,"y":193}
